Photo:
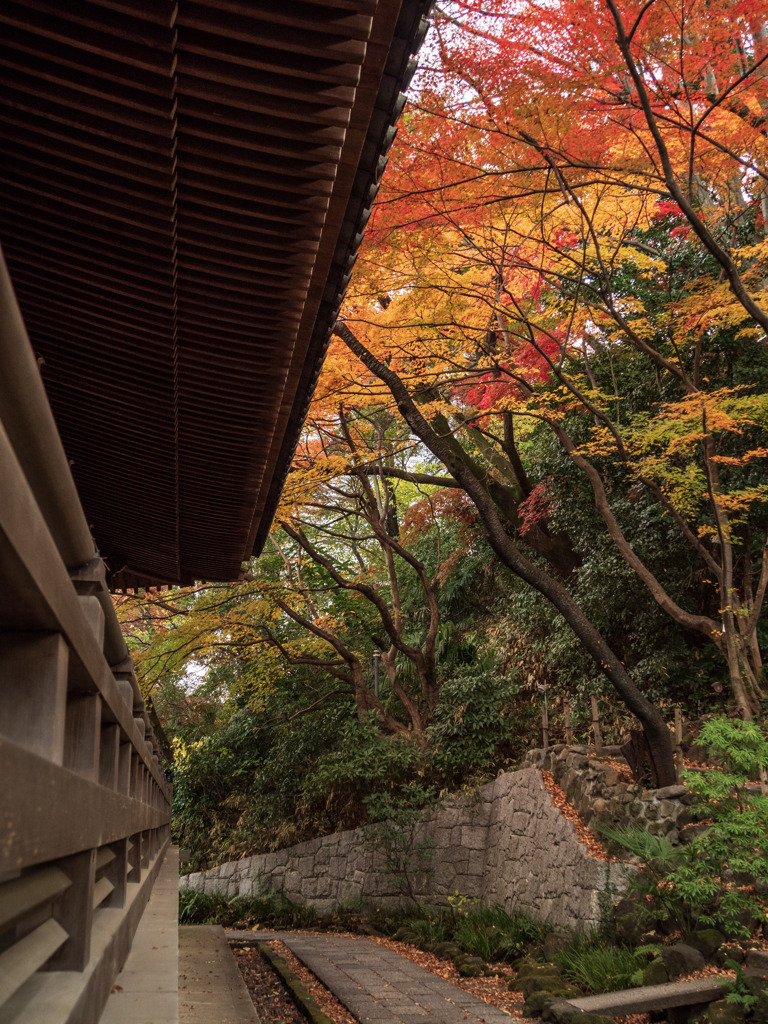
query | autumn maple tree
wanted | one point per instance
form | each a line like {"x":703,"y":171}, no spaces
{"x":327,"y":593}
{"x":571,"y":238}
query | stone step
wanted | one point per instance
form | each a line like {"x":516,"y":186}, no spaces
{"x":652,"y":997}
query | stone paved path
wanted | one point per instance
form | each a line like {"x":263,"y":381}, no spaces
{"x":381,"y":987}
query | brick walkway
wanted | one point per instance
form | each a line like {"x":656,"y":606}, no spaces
{"x":381,"y":987}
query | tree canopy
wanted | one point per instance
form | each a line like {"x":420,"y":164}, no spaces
{"x":548,"y":380}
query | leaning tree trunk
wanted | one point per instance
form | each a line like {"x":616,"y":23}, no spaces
{"x":656,"y":732}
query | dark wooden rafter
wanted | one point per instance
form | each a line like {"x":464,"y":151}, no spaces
{"x":185,"y":185}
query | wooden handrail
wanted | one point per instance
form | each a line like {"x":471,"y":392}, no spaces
{"x":84,"y":820}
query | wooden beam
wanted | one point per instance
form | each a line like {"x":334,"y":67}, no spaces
{"x":82,"y":734}
{"x":33,"y":690}
{"x":44,"y":598}
{"x":48,"y":811}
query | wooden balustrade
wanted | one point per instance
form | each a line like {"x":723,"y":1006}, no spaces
{"x":84,"y":803}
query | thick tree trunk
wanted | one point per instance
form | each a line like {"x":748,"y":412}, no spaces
{"x":654,"y":727}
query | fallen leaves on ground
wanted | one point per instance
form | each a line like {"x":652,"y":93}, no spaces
{"x":268,"y":994}
{"x":491,"y":990}
{"x":328,"y":1003}
{"x":585,"y":837}
{"x":709,"y":971}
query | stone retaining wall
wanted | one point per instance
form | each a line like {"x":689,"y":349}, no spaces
{"x":602,"y":795}
{"x":507,"y":845}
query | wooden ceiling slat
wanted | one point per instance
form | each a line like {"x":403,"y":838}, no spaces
{"x":252,"y":155}
{"x":333,"y":19}
{"x":178,"y":198}
{"x":104,"y":189}
{"x":128,"y":218}
{"x":147,"y":151}
{"x":254,"y":92}
{"x":129,"y":39}
{"x":141,"y":95}
{"x":95,"y":315}
{"x":310,"y":39}
{"x":81,"y":267}
{"x":85,"y":294}
{"x":40,"y":151}
{"x":247,"y":59}
{"x":73,"y":103}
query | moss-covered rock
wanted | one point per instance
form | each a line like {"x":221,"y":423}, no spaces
{"x":630,"y":920}
{"x":655,"y":974}
{"x":706,"y":940}
{"x":722,"y":1012}
{"x":681,"y":959}
{"x":543,"y":1002}
{"x":534,"y":977}
{"x":446,"y":950}
{"x":470,"y":966}
{"x":554,"y":943}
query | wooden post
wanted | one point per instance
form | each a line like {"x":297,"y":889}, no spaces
{"x":678,"y":743}
{"x":124,"y":769}
{"x":94,"y":613}
{"x":83,"y":734}
{"x":568,"y":729}
{"x":33,"y":692}
{"x":117,"y":873}
{"x":545,"y":724}
{"x":108,"y":756}
{"x":596,"y":726}
{"x":135,"y":857}
{"x":74,"y":912}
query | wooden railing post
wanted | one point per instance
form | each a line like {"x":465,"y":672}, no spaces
{"x":135,"y":857}
{"x":109,"y":752}
{"x":117,"y":873}
{"x":74,"y":911}
{"x":33,"y":691}
{"x":83,"y":734}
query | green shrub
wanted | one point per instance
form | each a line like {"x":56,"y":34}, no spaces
{"x":201,"y":908}
{"x":428,"y":930}
{"x":691,"y":884}
{"x":272,"y":910}
{"x":600,"y":967}
{"x":494,"y":934}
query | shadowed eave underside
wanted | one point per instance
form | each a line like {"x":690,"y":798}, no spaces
{"x":185,"y":186}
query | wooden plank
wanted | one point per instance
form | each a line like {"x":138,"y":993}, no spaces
{"x":28,"y":955}
{"x":101,"y":891}
{"x":82,"y":734}
{"x":33,"y":687}
{"x":47,"y":811}
{"x":69,"y":997}
{"x":109,"y":753}
{"x":20,"y":895}
{"x":117,"y":873}
{"x":74,"y":911}
{"x":94,"y":615}
{"x":124,"y":769}
{"x":38,"y":594}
